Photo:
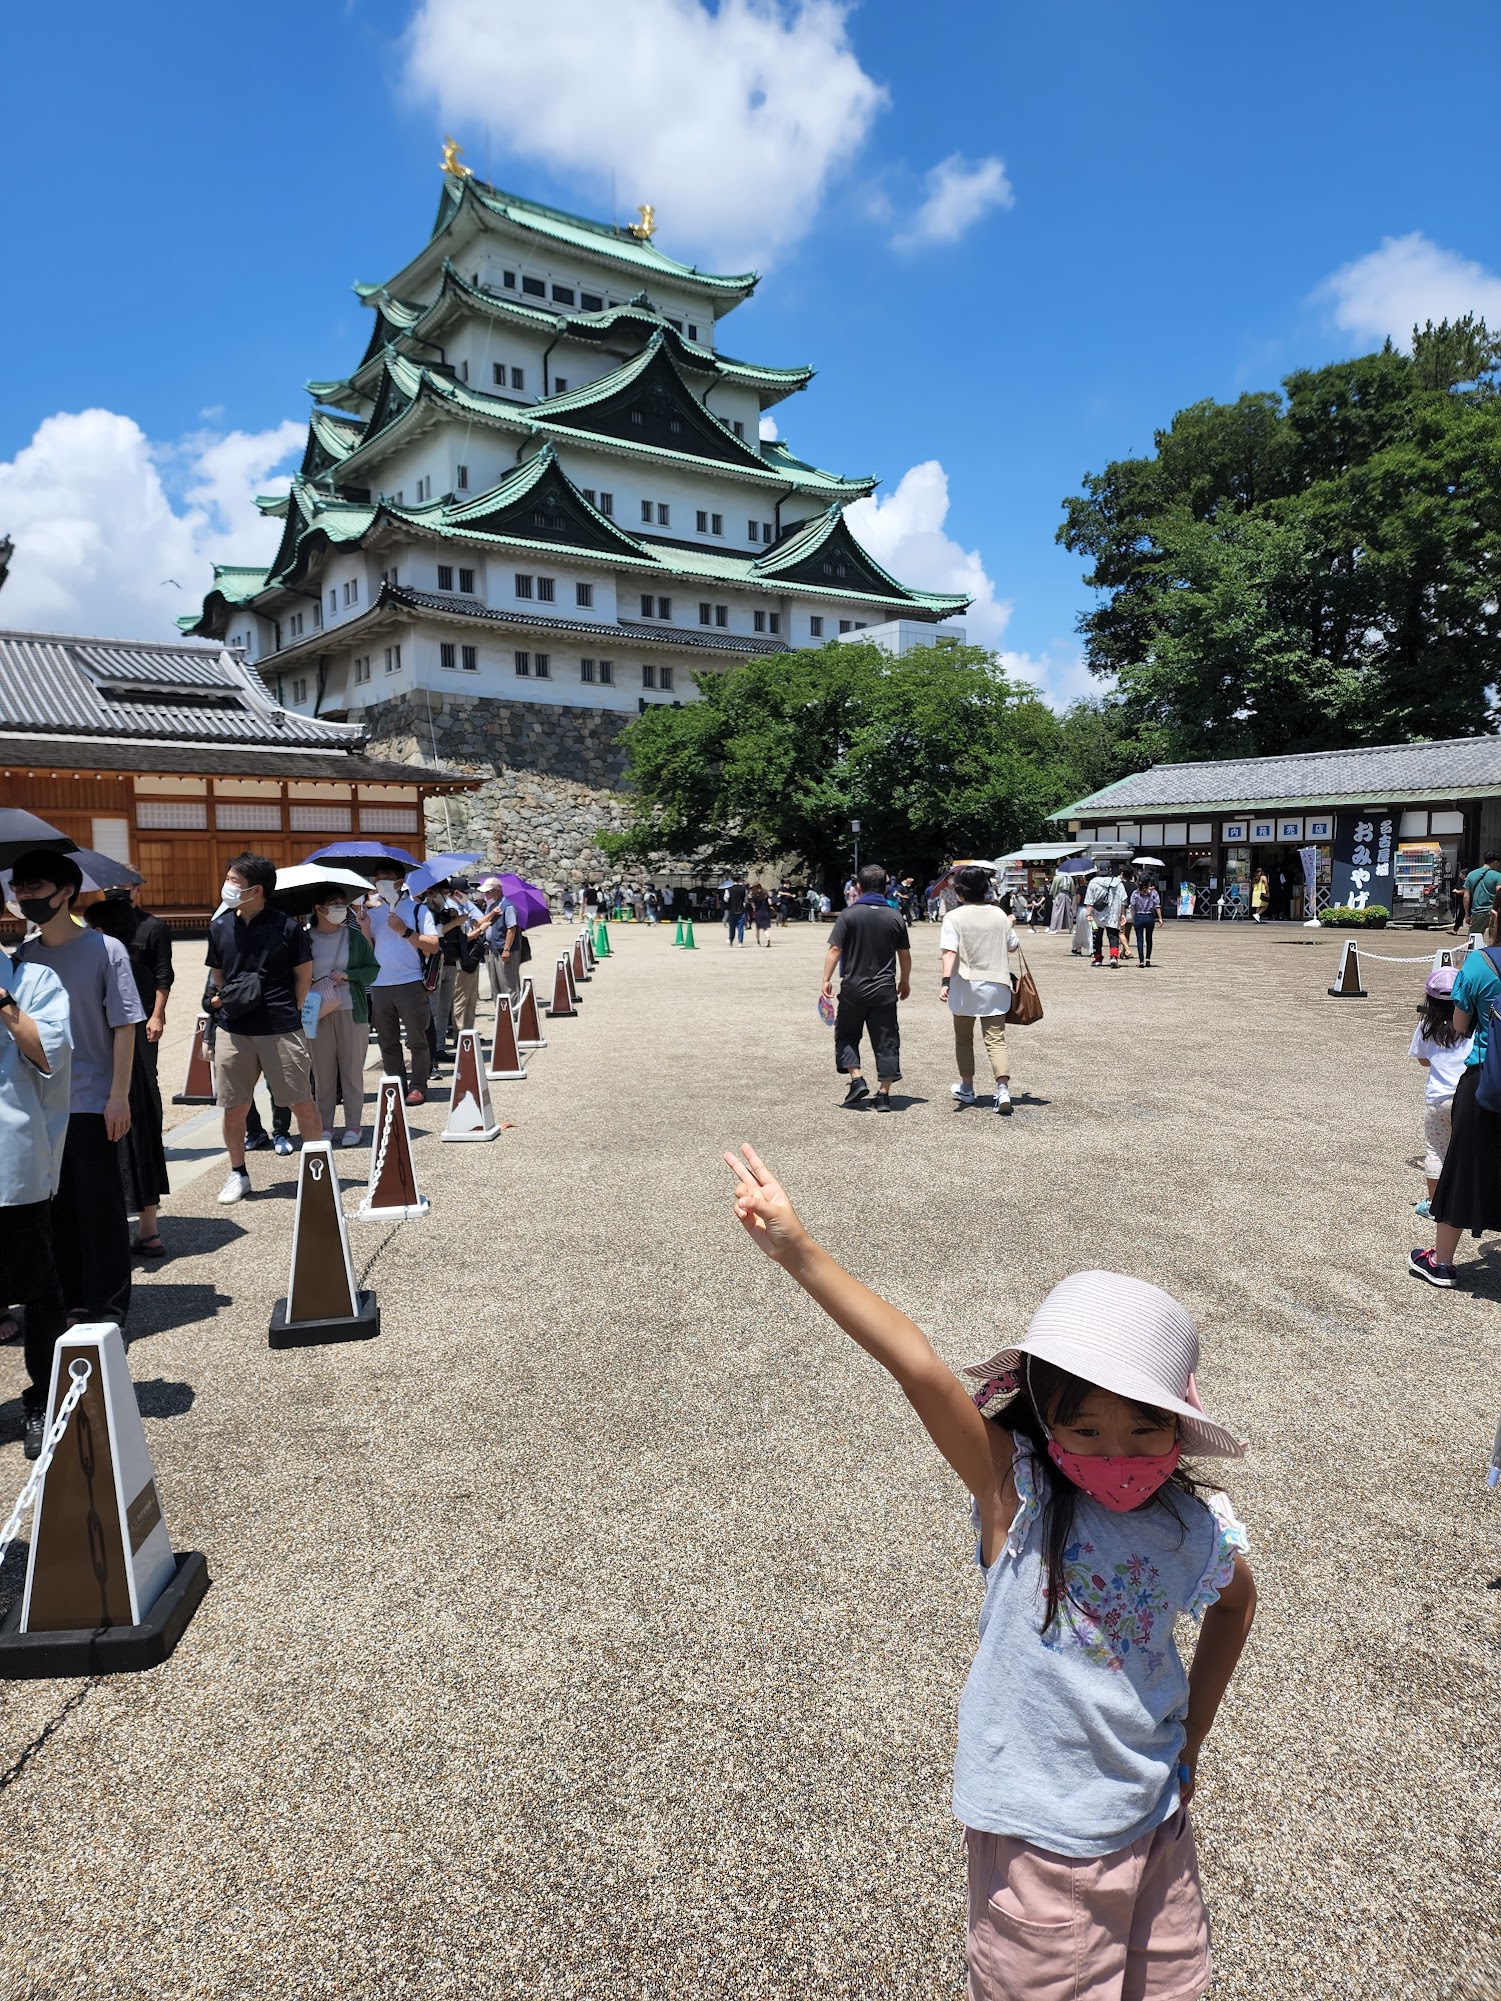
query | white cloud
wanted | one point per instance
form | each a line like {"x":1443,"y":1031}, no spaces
{"x":98,"y":533}
{"x":959,"y":193}
{"x":1408,"y":281}
{"x":1060,"y":678}
{"x":731,"y":120}
{"x":769,"y":429}
{"x":904,"y":532}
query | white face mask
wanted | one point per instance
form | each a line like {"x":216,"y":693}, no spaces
{"x":388,"y":892}
{"x":336,"y":912}
{"x":231,"y":894}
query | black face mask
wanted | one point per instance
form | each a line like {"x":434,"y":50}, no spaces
{"x":37,"y":910}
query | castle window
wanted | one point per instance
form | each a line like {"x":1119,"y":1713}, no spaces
{"x":664,"y":514}
{"x":607,"y":673}
{"x":508,"y":279}
{"x":721,"y":614}
{"x":523,"y":587}
{"x":299,"y":690}
{"x":591,"y":302}
{"x":815,"y":628}
{"x":607,"y":503}
{"x":393,"y":659}
{"x":753,"y":530}
{"x":498,"y":368}
{"x":692,"y":331}
{"x":648,"y":677}
{"x":674,"y":423}
{"x":739,"y":428}
{"x":648,"y":604}
{"x":703,"y":521}
{"x":768,"y":534}
{"x":758,"y":620}
{"x":466,"y":582}
{"x":774,"y":621}
{"x":676,"y":325}
{"x":463,"y":371}
{"x":846,"y":625}
{"x":563,"y":295}
{"x":447,"y":654}
{"x":471,"y":659}
{"x":664,"y":679}
{"x":706,"y":614}
{"x":534,"y":288}
{"x":333,"y":604}
{"x":637,"y":419}
{"x":518,"y":378}
{"x":545,"y":590}
{"x":716,"y":524}
{"x":542,"y":666}
{"x":461,"y":476}
{"x":583,"y":594}
{"x":664,"y":607}
{"x":588,"y":493}
{"x":523,"y":662}
{"x":318,"y":613}
{"x":362,"y":668}
{"x":559,"y":384}
{"x":646,"y":510}
{"x":296,"y":624}
{"x":586,"y":670}
{"x":445,"y":576}
{"x":424,"y":489}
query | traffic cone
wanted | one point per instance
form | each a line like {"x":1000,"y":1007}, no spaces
{"x":677,"y":936}
{"x":530,"y":1034}
{"x":573,"y":990}
{"x":688,"y":944}
{"x":562,"y":998}
{"x":392,"y":1194}
{"x":1442,"y":957}
{"x":602,"y":939}
{"x":323,"y":1303}
{"x":1347,"y":981}
{"x":506,"y":1066}
{"x":590,"y":962}
{"x":469,"y":1114}
{"x":198,"y":1084}
{"x":576,"y":965}
{"x":104,"y":1593}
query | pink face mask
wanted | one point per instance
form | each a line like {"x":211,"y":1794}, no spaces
{"x":1114,"y":1480}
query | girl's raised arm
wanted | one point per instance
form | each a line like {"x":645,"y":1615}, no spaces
{"x":901,"y":1347}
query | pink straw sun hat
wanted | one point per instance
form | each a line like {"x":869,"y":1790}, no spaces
{"x":1122,"y":1334}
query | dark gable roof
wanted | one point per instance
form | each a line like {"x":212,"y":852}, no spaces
{"x":146,"y":688}
{"x":1384,"y":774}
{"x":57,"y":753}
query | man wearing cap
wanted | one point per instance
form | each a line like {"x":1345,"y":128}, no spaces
{"x":399,"y":1002}
{"x":500,"y":926}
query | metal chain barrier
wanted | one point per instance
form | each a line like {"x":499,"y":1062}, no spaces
{"x":385,"y":1141}
{"x":80,"y":1370}
{"x":1386,"y":959}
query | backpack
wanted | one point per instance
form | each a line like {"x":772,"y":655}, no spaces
{"x":1099,"y":893}
{"x":1488,"y":1084}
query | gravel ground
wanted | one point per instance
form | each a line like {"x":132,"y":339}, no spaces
{"x":598,"y":1630}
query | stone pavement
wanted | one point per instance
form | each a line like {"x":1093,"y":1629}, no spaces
{"x":598,"y":1630}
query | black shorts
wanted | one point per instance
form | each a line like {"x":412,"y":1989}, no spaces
{"x":878,"y":1019}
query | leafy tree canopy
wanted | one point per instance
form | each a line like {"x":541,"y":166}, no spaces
{"x":1310,"y":569}
{"x":936,"y":753}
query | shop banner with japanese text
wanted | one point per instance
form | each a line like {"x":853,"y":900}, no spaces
{"x":1364,"y":843}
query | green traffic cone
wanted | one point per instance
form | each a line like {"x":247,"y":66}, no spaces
{"x":688,"y":944}
{"x":601,"y":941}
{"x":678,"y":935}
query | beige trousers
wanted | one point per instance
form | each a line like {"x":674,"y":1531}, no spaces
{"x":339,"y":1066}
{"x":993,"y":1029}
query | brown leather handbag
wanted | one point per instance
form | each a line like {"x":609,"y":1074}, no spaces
{"x":1026,"y":1002}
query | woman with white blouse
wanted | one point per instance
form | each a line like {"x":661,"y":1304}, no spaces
{"x":976,"y":944}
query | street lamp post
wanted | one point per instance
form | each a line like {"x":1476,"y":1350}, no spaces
{"x":855,"y":829}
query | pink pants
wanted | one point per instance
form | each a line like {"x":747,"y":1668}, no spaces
{"x":1130,"y":1926}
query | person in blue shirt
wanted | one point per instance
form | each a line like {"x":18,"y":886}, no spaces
{"x":1468,"y":1195}
{"x":36,"y":1058}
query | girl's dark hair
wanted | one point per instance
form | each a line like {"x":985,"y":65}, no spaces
{"x":1052,"y":1392}
{"x":1436,"y":1019}
{"x":973,"y":884}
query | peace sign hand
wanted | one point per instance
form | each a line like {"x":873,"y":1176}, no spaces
{"x":761,"y":1204}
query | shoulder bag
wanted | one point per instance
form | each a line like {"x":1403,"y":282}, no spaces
{"x":1488,"y":1084}
{"x":1026,"y":1002}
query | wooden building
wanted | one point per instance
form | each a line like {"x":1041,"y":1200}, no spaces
{"x":171,"y":756}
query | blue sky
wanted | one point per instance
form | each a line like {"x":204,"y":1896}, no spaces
{"x":1140,"y":207}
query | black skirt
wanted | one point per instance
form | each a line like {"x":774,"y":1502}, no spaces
{"x":143,"y":1160}
{"x":1468,"y":1196}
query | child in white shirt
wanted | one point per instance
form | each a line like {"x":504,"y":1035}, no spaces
{"x":1442,"y":1054}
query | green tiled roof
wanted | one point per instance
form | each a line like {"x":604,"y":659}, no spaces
{"x":578,"y":232}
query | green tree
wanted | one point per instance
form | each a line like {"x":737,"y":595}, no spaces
{"x":934,"y":753}
{"x":1307,"y":570}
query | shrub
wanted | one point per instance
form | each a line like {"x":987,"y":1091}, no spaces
{"x":1374,"y":917}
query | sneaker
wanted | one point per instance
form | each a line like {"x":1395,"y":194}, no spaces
{"x":858,"y":1090}
{"x":353,"y":1137}
{"x":236,"y":1185}
{"x":1423,"y":1211}
{"x":257,"y":1142}
{"x":1425,"y":1265}
{"x":965,"y":1093}
{"x":35,"y":1432}
{"x":883,"y":1101}
{"x":1003,"y":1100}
{"x":282,"y":1143}
{"x":1115,"y":965}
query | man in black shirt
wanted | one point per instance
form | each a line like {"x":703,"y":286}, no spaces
{"x":260,"y":968}
{"x":734,"y":910}
{"x":869,"y":944}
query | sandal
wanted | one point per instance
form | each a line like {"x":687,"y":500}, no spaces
{"x":151,"y":1247}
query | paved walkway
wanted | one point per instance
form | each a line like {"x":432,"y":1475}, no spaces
{"x":598,"y":1630}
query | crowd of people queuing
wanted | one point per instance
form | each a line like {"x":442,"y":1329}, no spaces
{"x":292,"y":1001}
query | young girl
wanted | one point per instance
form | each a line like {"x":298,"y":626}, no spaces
{"x":1079,"y":1732}
{"x":1443,"y":1053}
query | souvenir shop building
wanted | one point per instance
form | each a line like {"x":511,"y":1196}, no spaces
{"x":1392,"y":824}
